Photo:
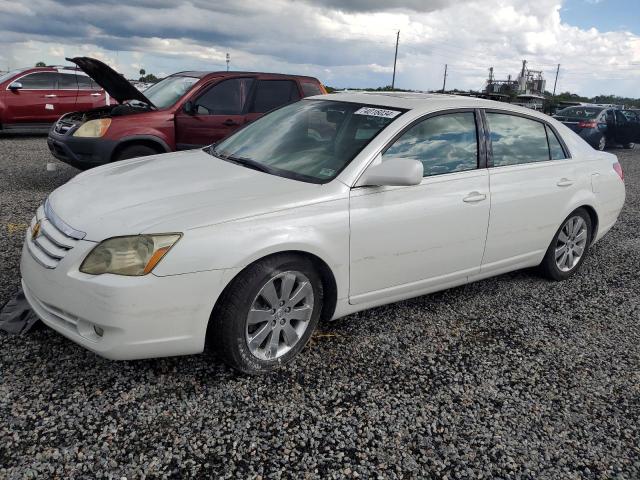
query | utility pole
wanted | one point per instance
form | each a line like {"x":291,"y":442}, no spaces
{"x":444,"y":81}
{"x":395,"y":59}
{"x":556,"y":82}
{"x":228,"y":60}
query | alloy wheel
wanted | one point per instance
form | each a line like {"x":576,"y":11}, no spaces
{"x":571,"y":243}
{"x":279,"y":315}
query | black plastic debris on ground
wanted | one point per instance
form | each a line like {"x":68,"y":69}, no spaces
{"x":16,"y":315}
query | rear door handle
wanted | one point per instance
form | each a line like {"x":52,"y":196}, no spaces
{"x":50,"y":96}
{"x":474,"y":197}
{"x":564,"y":182}
{"x":96,"y":94}
{"x":229,"y":123}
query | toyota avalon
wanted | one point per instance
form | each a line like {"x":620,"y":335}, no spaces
{"x":319,"y":209}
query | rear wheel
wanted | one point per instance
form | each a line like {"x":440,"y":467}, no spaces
{"x":569,"y":246}
{"x":134,"y":151}
{"x":267,"y":314}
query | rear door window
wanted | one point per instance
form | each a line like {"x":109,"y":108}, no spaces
{"x":225,"y":98}
{"x":39,"y":81}
{"x":444,"y":144}
{"x":271,"y":94}
{"x":516,"y":140}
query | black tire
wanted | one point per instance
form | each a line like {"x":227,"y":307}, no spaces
{"x":227,"y":328}
{"x":549,"y":267}
{"x":602,"y":143}
{"x":134,"y":151}
{"x":629,"y":146}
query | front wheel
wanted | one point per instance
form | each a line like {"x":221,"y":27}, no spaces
{"x":569,"y":246}
{"x":629,"y":146}
{"x":267,"y":314}
{"x":602,"y":143}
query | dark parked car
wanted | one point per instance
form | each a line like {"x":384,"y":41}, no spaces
{"x":185,"y":110}
{"x":602,"y":126}
{"x":34,"y":98}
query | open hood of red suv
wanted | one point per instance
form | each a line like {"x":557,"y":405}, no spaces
{"x":114,"y":84}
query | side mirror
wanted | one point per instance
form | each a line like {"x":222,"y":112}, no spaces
{"x":189,"y":108}
{"x":399,"y":172}
{"x":15,"y":86}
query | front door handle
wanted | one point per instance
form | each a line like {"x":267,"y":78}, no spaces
{"x":230,"y":123}
{"x":474,"y":197}
{"x":50,"y":96}
{"x":96,"y":94}
{"x":564,"y":182}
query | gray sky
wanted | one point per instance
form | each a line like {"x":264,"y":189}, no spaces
{"x":343,"y":43}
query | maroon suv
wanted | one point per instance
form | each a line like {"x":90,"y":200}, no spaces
{"x":185,"y":110}
{"x":34,"y":98}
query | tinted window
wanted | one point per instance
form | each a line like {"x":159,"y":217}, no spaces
{"x":67,"y":81}
{"x":517,"y":140}
{"x":620,"y":117}
{"x":580,"y":112}
{"x":444,"y":144}
{"x":225,"y":98}
{"x":39,"y":81}
{"x":555,"y":148}
{"x":84,"y":83}
{"x":631,"y":115}
{"x":274,"y":93}
{"x":309,"y":89}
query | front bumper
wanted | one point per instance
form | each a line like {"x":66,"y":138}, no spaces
{"x":139,"y":317}
{"x":79,"y":152}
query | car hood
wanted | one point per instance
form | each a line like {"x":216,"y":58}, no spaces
{"x":114,"y":84}
{"x":176,"y":192}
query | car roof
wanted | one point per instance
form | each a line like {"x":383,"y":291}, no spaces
{"x":424,"y":101}
{"x":222,"y":73}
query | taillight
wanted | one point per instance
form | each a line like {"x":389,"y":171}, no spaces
{"x":618,"y":168}
{"x":589,"y":124}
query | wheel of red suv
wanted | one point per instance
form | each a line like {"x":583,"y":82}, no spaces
{"x":569,"y":246}
{"x":267,"y":314}
{"x":602,"y":143}
{"x":134,"y":151}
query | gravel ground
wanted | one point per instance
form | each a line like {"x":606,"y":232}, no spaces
{"x":512,"y":377}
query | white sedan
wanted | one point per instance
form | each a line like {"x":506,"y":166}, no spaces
{"x":319,"y":209}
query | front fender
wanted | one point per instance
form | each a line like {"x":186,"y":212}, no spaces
{"x":321,"y":229}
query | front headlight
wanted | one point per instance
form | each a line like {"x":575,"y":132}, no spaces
{"x":93,"y":128}
{"x":132,"y":256}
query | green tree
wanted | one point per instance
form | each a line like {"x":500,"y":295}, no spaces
{"x":41,"y":64}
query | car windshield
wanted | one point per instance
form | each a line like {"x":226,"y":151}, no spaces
{"x":310,"y":140}
{"x":168,"y":91}
{"x":579,"y":112}
{"x":8,"y":75}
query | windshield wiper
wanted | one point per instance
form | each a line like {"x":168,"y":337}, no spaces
{"x":245,"y":162}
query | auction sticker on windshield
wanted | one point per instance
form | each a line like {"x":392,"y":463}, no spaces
{"x":377,"y":112}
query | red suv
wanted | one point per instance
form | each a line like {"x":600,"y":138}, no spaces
{"x":185,"y":110}
{"x":34,"y":98}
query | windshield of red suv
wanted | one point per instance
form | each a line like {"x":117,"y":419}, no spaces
{"x":168,"y":91}
{"x":7,"y":75}
{"x":310,"y":140}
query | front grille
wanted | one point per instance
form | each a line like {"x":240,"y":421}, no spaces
{"x":63,"y":126}
{"x":52,"y":240}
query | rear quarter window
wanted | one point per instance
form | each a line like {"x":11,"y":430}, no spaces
{"x":310,"y":89}
{"x":271,"y":94}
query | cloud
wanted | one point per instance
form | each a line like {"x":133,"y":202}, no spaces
{"x":344,"y":43}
